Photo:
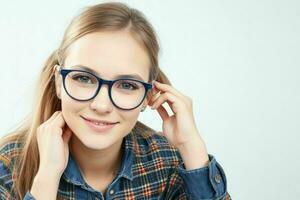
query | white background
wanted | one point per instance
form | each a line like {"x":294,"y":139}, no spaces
{"x":238,"y":60}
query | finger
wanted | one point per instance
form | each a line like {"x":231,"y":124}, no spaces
{"x":166,"y":97}
{"x":67,"y":134}
{"x":155,"y":95}
{"x":53,"y":116}
{"x":174,"y":102}
{"x":59,"y":121}
{"x":163,"y":113}
{"x":168,"y":88}
{"x":155,"y":90}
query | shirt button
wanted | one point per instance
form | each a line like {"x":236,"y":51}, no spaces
{"x":111,"y":192}
{"x":218,"y":178}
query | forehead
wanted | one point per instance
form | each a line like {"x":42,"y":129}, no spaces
{"x":110,"y":54}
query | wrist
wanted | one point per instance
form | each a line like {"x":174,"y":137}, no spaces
{"x":50,"y":172}
{"x":46,"y":177}
{"x":194,"y":154}
{"x":44,"y":186}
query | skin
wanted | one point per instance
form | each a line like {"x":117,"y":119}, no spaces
{"x":98,"y":155}
{"x":109,"y":54}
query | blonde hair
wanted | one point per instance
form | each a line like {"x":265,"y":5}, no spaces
{"x":106,"y":16}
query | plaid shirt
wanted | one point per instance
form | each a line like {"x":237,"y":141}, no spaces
{"x":151,"y":169}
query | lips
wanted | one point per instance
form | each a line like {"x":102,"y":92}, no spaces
{"x":100,"y":126}
{"x":99,"y":122}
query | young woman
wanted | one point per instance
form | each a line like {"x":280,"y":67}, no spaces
{"x":83,"y":140}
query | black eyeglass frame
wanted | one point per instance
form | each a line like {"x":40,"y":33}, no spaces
{"x":65,"y":72}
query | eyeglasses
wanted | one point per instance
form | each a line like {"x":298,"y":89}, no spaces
{"x":125,"y":94}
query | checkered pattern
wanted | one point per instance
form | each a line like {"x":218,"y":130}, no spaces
{"x":149,"y":172}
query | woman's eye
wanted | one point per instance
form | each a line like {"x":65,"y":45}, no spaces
{"x":128,"y":86}
{"x":82,"y":79}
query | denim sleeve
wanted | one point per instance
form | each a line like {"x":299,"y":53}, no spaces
{"x":28,"y":196}
{"x":206,"y":183}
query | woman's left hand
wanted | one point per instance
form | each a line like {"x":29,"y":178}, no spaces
{"x":180,"y":129}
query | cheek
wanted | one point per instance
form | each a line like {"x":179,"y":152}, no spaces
{"x":69,"y":105}
{"x":128,"y":120}
{"x":70,"y":110}
{"x":130,"y":116}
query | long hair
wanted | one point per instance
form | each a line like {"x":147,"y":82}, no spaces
{"x":101,"y":17}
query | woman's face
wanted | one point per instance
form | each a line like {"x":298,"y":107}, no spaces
{"x":110,"y":54}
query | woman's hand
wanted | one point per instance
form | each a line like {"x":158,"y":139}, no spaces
{"x":180,"y":129}
{"x":53,"y":137}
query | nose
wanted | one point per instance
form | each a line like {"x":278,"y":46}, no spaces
{"x":102,"y":103}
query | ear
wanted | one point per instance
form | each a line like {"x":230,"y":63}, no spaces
{"x":58,"y":81}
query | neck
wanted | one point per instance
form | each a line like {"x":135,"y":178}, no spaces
{"x":96,"y":163}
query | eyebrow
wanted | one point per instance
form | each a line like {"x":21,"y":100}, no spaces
{"x":134,"y":76}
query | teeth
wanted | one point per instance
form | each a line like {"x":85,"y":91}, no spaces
{"x":100,"y":123}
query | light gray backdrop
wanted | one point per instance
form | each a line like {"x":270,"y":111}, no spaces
{"x":237,"y":59}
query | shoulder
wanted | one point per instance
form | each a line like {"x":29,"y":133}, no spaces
{"x":156,"y":147}
{"x":10,"y":149}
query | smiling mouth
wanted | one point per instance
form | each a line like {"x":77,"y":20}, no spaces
{"x":99,"y":126}
{"x":99,"y":122}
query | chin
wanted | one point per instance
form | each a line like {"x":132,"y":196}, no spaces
{"x":96,"y":144}
{"x":98,"y":141}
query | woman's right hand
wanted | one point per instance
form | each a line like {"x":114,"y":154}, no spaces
{"x":53,"y":137}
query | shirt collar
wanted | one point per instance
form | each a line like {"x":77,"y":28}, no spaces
{"x":128,"y":157}
{"x":73,"y":174}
